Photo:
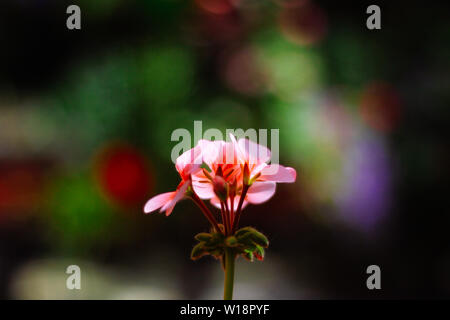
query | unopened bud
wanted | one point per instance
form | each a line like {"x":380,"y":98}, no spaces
{"x":220,"y":188}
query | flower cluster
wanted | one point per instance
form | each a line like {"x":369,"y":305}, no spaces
{"x":231,"y":175}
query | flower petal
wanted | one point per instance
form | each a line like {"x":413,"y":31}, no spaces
{"x":255,"y":153}
{"x":203,"y":188}
{"x":278,"y":173}
{"x":158,"y":201}
{"x":236,"y":203}
{"x":216,"y":203}
{"x":178,"y":195}
{"x":260,"y":192}
{"x":189,"y":162}
{"x":236,"y":150}
{"x":211,"y":151}
{"x":255,"y":169}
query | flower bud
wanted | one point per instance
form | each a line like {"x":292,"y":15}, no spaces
{"x":220,"y":188}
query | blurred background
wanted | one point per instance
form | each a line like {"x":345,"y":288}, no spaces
{"x":86,"y":118}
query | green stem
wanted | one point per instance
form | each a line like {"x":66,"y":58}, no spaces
{"x":229,"y":274}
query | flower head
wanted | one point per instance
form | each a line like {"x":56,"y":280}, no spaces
{"x":240,"y":163}
{"x":229,"y":174}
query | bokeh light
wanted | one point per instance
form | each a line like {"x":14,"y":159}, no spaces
{"x":380,"y":107}
{"x":290,"y":70}
{"x":78,"y":218}
{"x":243,"y":71}
{"x":124,"y":175}
{"x":215,"y":6}
{"x":364,"y":199}
{"x":304,"y":24}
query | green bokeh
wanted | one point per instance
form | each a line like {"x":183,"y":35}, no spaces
{"x":79,"y":218}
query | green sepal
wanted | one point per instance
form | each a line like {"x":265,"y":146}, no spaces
{"x":203,"y":236}
{"x":259,"y":238}
{"x":259,"y":252}
{"x":247,"y":234}
{"x":216,"y":253}
{"x":247,"y":242}
{"x":231,"y":241}
{"x":198,"y":251}
{"x":248,"y":255}
{"x":246,"y":239}
{"x":251,"y":247}
{"x":242,"y":231}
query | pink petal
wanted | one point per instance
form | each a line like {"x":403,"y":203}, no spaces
{"x":158,"y":201}
{"x":211,"y":151}
{"x":189,"y":161}
{"x":257,"y":169}
{"x":260,"y":192}
{"x":204,"y":190}
{"x":216,"y":203}
{"x":278,"y":173}
{"x":179,"y":194}
{"x":237,"y":150}
{"x":236,"y":203}
{"x":202,"y":186}
{"x":190,"y":169}
{"x":255,"y":153}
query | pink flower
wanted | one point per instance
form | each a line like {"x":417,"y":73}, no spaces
{"x":186,"y":164}
{"x":237,"y":173}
